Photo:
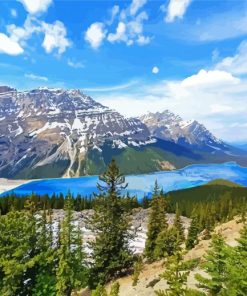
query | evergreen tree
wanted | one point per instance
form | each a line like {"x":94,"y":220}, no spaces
{"x":175,"y":275}
{"x":18,"y":256}
{"x":71,"y":270}
{"x":178,"y":224}
{"x":99,"y":291}
{"x":138,"y":266}
{"x":243,"y":210}
{"x":167,"y":243}
{"x":193,"y":232}
{"x":115,"y":289}
{"x":45,"y":279}
{"x":215,"y":266}
{"x":111,"y":254}
{"x":236,"y":275}
{"x":145,"y":202}
{"x":157,"y":222}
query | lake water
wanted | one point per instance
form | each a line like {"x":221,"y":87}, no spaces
{"x":141,"y":185}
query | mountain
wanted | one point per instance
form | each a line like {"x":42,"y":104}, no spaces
{"x":54,"y":129}
{"x":188,"y":133}
{"x":57,"y":132}
{"x":168,"y":126}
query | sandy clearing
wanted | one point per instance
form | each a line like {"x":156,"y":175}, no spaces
{"x":7,"y":184}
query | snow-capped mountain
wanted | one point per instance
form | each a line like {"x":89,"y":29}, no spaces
{"x":55,"y":127}
{"x":168,"y":126}
{"x":47,"y":133}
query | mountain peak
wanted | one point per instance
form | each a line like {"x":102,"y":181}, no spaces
{"x":169,"y":126}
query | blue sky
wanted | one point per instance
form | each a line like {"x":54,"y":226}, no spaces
{"x":189,"y":56}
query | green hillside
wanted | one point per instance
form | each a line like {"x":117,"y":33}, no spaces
{"x":223,"y":182}
{"x":220,"y":194}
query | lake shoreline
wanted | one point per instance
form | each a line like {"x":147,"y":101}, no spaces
{"x":139,"y":185}
{"x":10,"y":184}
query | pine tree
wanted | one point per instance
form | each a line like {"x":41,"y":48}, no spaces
{"x":71,"y":270}
{"x":215,"y":266}
{"x":230,"y":210}
{"x":157,"y":222}
{"x":115,"y":289}
{"x":243,"y":210}
{"x":167,"y":243}
{"x":111,"y":254}
{"x":138,"y":266}
{"x":236,"y":275}
{"x":18,"y":257}
{"x":45,"y":279}
{"x":175,"y":275}
{"x":99,"y":291}
{"x":178,"y":224}
{"x":193,"y":232}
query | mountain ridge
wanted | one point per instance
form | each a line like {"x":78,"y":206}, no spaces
{"x":54,"y":132}
{"x":167,"y":125}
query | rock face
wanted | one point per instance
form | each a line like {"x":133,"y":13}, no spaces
{"x":139,"y":224}
{"x":168,"y":126}
{"x":54,"y":129}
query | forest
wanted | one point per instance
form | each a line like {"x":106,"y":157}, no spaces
{"x":36,"y":260}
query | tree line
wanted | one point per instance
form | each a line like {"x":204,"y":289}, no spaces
{"x":58,"y":202}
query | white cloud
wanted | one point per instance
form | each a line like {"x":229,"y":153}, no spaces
{"x":114,"y":12}
{"x":95,"y":34}
{"x":176,"y":9}
{"x":36,"y":6}
{"x":130,"y":30}
{"x":205,"y":78}
{"x":155,"y":70}
{"x":143,"y":40}
{"x":21,"y":34}
{"x":55,"y":34}
{"x":74,"y":64}
{"x":128,"y":26}
{"x":120,"y":34}
{"x":13,"y":13}
{"x":136,"y":5}
{"x":9,"y":46}
{"x":55,"y":37}
{"x":224,"y":109}
{"x":36,"y":77}
{"x":236,"y":64}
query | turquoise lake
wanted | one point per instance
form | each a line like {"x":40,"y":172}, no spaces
{"x":141,"y":185}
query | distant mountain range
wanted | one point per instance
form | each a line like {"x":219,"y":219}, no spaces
{"x":47,"y":133}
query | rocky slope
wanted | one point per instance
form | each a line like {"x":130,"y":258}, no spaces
{"x":139,"y":222}
{"x":149,"y":280}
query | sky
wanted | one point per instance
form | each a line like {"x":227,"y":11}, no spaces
{"x":138,"y":56}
